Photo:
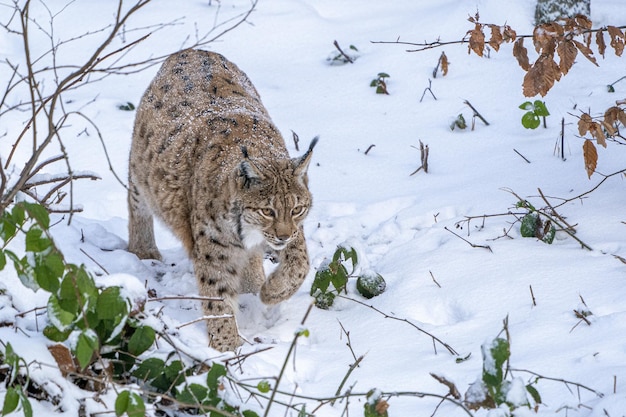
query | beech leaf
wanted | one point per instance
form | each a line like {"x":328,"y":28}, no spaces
{"x":521,"y":54}
{"x":567,"y":54}
{"x":590,"y":155}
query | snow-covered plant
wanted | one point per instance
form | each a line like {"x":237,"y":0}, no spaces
{"x":380,"y":83}
{"x":535,"y":224}
{"x":332,"y":277}
{"x":535,"y":112}
{"x":495,"y":387}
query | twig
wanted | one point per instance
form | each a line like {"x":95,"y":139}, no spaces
{"x":369,"y":148}
{"x":523,"y":157}
{"x":429,"y":89}
{"x":569,"y":229}
{"x":566,"y":382}
{"x":474,"y":245}
{"x":350,"y":60}
{"x":212,"y":317}
{"x":434,"y":280}
{"x":453,"y":389}
{"x":94,"y":261}
{"x":185,"y":297}
{"x":387,"y":316}
{"x":476,"y":113}
{"x":533,"y":296}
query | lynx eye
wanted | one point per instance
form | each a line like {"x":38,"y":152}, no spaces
{"x":267,"y":212}
{"x":298,"y":211}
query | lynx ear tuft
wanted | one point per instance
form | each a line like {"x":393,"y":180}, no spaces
{"x":301,"y":164}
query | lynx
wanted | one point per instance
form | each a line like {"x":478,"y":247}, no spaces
{"x":208,"y":161}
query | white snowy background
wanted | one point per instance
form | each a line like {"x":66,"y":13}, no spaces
{"x":397,"y":222}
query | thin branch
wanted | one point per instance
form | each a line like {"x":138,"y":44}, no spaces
{"x":350,"y":60}
{"x":474,"y":245}
{"x":387,"y":316}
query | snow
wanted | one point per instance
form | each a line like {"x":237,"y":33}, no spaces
{"x":402,"y":226}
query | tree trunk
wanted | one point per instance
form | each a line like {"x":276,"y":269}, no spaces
{"x":550,"y":10}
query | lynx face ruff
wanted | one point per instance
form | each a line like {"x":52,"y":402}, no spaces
{"x":208,"y":161}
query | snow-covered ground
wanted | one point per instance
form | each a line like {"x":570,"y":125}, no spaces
{"x":402,"y":226}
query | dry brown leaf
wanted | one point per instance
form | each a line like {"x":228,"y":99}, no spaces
{"x":598,"y":133}
{"x":583,"y":22}
{"x":496,"y":37}
{"x":544,"y":37}
{"x":621,"y":116}
{"x":611,"y":115}
{"x":521,"y":54}
{"x":617,"y":39}
{"x":586,"y":51}
{"x":600,"y":42}
{"x":541,"y":77}
{"x":509,"y":34}
{"x":63,"y":358}
{"x":610,"y":128}
{"x":381,"y":407}
{"x":567,"y":54}
{"x":477,"y":40}
{"x":584,"y":124}
{"x":444,"y":64}
{"x":590,"y":154}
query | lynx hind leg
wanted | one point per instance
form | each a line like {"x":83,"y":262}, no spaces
{"x":140,"y":227}
{"x":252,"y":276}
{"x":293,"y":266}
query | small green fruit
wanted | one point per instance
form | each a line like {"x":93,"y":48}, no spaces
{"x":370,"y":284}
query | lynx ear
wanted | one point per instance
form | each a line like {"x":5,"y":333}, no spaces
{"x":301,"y":164}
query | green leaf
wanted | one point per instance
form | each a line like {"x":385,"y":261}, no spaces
{"x":59,"y":317}
{"x":27,"y":409}
{"x":85,"y":348}
{"x":540,"y":108}
{"x":528,"y":106}
{"x":136,"y":406}
{"x":141,"y":340}
{"x":149,"y":369}
{"x":263,"y":386}
{"x":215,"y":373}
{"x":534,"y":393}
{"x":530,"y":120}
{"x":38,"y":213}
{"x":250,"y":413}
{"x":340,"y":278}
{"x":56,"y":335}
{"x":374,"y":83}
{"x":48,"y":270}
{"x":322,"y":280}
{"x":35,"y":242}
{"x":121,"y":403}
{"x":11,"y":400}
{"x":8,"y":226}
{"x":110,"y":304}
{"x":193,"y":394}
{"x":3,"y":260}
{"x":383,"y":75}
{"x":529,"y":225}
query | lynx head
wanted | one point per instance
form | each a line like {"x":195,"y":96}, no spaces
{"x":274,"y":198}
